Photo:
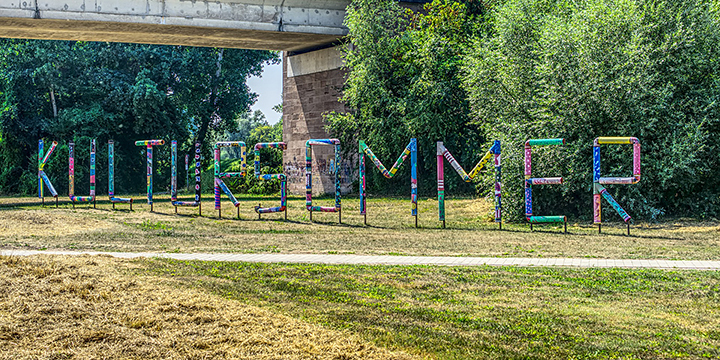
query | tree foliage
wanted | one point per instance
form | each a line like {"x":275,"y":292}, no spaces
{"x":469,"y":72}
{"x":583,"y":69}
{"x":404,"y":81}
{"x":65,"y":91}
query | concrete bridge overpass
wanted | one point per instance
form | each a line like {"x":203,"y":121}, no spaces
{"x":305,"y":30}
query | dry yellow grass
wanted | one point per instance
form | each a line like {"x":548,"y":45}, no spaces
{"x":470,"y":231}
{"x":39,"y":223}
{"x":98,"y":308}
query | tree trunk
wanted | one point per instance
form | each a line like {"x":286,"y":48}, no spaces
{"x":52,"y":99}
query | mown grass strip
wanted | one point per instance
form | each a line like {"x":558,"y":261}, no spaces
{"x":485,"y":312}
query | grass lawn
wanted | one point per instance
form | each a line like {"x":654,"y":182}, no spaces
{"x":484,"y":312}
{"x":470,"y":231}
{"x":54,"y":307}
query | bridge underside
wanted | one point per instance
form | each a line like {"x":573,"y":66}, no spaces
{"x":50,"y":29}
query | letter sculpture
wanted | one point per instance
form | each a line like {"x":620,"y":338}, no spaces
{"x":173,"y":183}
{"x":111,"y":178}
{"x":42,"y":177}
{"x":494,"y":152}
{"x":187,"y":171}
{"x":410,"y":149}
{"x":71,"y":184}
{"x":149,"y":144}
{"x":530,"y":181}
{"x":283,"y":179}
{"x":219,"y":184}
{"x":598,"y":182}
{"x":308,"y":177}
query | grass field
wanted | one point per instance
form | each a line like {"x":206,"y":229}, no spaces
{"x":96,"y":308}
{"x":470,"y":231}
{"x":99,"y":307}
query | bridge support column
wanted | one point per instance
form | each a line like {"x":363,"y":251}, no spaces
{"x":312,"y":83}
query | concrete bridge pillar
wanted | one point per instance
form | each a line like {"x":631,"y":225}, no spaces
{"x":312,"y":83}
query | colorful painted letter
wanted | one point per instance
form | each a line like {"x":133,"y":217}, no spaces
{"x":598,"y":182}
{"x":308,"y":177}
{"x":111,"y":176}
{"x":219,"y":175}
{"x":283,"y":179}
{"x":530,"y":181}
{"x":494,"y":153}
{"x":71,"y":185}
{"x":410,"y":149}
{"x":149,"y":144}
{"x":173,"y":181}
{"x":42,"y":177}
{"x":187,"y":171}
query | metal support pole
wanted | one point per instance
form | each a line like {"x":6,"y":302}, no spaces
{"x":238,"y":212}
{"x":219,"y":213}
{"x":43,"y":201}
{"x":365,"y":218}
{"x":531,"y":229}
{"x":310,"y":215}
{"x":416,"y":220}
{"x":131,"y":204}
{"x":500,"y":225}
{"x":176,"y":210}
{"x":113,"y":206}
{"x":56,"y":202}
{"x":628,"y":227}
{"x":151,"y":207}
{"x":443,"y":223}
{"x":340,"y":216}
{"x":200,"y":209}
{"x":258,"y":212}
{"x":565,"y":227}
{"x":94,"y":204}
{"x":285,"y":212}
{"x":599,"y":228}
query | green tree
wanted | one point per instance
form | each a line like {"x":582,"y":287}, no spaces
{"x":589,"y":68}
{"x":66,"y":91}
{"x":404,"y":81}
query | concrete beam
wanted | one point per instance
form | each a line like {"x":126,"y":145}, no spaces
{"x":290,"y":25}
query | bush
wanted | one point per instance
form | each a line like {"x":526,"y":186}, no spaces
{"x":588,"y":68}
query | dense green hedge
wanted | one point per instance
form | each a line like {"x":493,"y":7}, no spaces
{"x":468,"y":72}
{"x":589,"y":68}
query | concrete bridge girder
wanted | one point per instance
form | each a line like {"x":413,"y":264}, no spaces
{"x":289,"y":25}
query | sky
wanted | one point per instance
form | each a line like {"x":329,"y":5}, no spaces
{"x":269,"y":90}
